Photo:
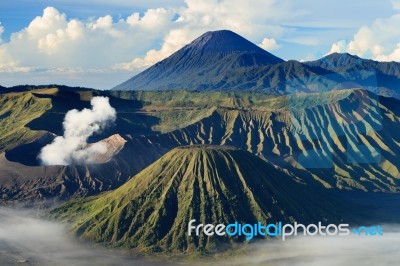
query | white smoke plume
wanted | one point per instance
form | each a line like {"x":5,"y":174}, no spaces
{"x":78,"y":127}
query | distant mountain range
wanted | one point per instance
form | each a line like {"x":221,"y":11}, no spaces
{"x":223,"y":60}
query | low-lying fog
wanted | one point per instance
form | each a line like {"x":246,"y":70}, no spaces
{"x":27,"y":240}
{"x":349,"y":250}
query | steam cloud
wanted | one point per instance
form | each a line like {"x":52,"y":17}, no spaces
{"x":78,"y":127}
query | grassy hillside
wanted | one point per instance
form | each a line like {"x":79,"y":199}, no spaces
{"x":288,"y":131}
{"x":16,"y":111}
{"x":283,"y":130}
{"x":208,"y":183}
{"x":316,"y":139}
{"x":138,"y":112}
{"x":178,"y":109}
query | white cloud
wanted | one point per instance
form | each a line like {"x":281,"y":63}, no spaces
{"x":12,"y":67}
{"x":175,"y":40}
{"x":259,"y":17}
{"x":338,"y":47}
{"x":24,"y":236}
{"x":269,"y":44}
{"x":379,"y":41}
{"x":52,"y":40}
{"x":323,"y":251}
{"x":393,"y":56}
{"x":395,"y":4}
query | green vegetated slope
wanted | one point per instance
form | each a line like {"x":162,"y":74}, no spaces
{"x":16,"y":111}
{"x":178,"y":109}
{"x":29,"y":112}
{"x":26,"y":118}
{"x":355,"y":130}
{"x":211,"y":184}
{"x":138,"y":112}
{"x":353,"y":127}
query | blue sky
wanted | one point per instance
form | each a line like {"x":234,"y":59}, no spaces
{"x":100,"y":43}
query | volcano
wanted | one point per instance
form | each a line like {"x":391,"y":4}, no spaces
{"x":203,"y":64}
{"x":212,"y":184}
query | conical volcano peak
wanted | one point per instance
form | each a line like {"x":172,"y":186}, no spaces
{"x":202,"y":64}
{"x":224,"y":41}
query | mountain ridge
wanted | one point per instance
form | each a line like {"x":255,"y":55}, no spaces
{"x":223,"y":60}
{"x":153,"y":123}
